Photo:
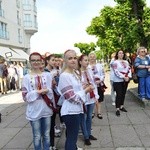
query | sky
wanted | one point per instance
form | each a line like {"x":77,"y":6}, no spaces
{"x":61,"y":23}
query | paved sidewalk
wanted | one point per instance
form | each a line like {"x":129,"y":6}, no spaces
{"x":130,"y":131}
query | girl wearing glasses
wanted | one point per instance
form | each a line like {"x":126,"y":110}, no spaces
{"x":35,"y":85}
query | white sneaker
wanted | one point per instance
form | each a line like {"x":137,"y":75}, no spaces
{"x":144,"y":99}
{"x":113,"y":103}
{"x":62,"y":125}
{"x":78,"y":148}
{"x":57,"y":130}
{"x":53,"y":148}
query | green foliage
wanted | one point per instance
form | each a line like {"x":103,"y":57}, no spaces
{"x":59,"y":55}
{"x":85,"y":48}
{"x":125,"y":26}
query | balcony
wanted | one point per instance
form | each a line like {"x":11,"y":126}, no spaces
{"x":4,"y":35}
{"x":29,"y":27}
{"x":1,"y":13}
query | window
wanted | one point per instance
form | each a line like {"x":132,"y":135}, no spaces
{"x":26,"y":1}
{"x":1,"y":10}
{"x":34,"y":6}
{"x":19,"y":36}
{"x":35,"y":21}
{"x":18,"y":3}
{"x":3,"y":31}
{"x":27,"y":20}
{"x":26,"y":5}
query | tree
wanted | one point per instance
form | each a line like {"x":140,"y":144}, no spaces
{"x":85,"y":48}
{"x":125,"y":26}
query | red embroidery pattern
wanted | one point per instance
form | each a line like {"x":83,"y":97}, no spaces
{"x":66,"y":88}
{"x":69,"y":94}
{"x":24,"y":93}
{"x":94,"y":69}
{"x":123,"y":64}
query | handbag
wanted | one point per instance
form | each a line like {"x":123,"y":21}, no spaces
{"x":135,"y":77}
{"x":134,"y":74}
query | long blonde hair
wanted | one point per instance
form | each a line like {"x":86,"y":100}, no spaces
{"x":64,"y":58}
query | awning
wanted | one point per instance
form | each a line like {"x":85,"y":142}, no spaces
{"x":21,"y":53}
{"x":13,"y":55}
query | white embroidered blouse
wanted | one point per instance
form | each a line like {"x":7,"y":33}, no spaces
{"x":71,"y":89}
{"x":89,"y":74}
{"x":121,"y":69}
{"x":36,"y":106}
{"x":98,"y":71}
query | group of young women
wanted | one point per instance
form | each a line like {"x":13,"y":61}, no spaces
{"x":79,"y":85}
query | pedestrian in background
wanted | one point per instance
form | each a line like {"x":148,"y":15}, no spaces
{"x":1,"y":74}
{"x":35,"y":86}
{"x":122,"y":75}
{"x":5,"y":75}
{"x":20,"y":73}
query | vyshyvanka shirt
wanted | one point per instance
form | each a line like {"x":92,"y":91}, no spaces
{"x":98,"y":71}
{"x":87,"y":78}
{"x":70,"y":88}
{"x":36,"y":106}
{"x":121,"y":69}
{"x":111,"y":69}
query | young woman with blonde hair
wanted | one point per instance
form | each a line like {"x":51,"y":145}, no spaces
{"x":71,"y":89}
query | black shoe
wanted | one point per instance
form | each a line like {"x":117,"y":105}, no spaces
{"x":87,"y":142}
{"x":123,"y":109}
{"x":118,"y":113}
{"x":91,"y":137}
{"x":93,"y":114}
{"x":99,"y":116}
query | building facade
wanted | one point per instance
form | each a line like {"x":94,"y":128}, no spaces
{"x":18,"y":22}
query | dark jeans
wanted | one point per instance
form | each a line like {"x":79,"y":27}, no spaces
{"x":120,"y":88}
{"x":72,"y":123}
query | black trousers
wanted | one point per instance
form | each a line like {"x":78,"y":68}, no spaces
{"x":120,"y":88}
{"x":52,"y":130}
